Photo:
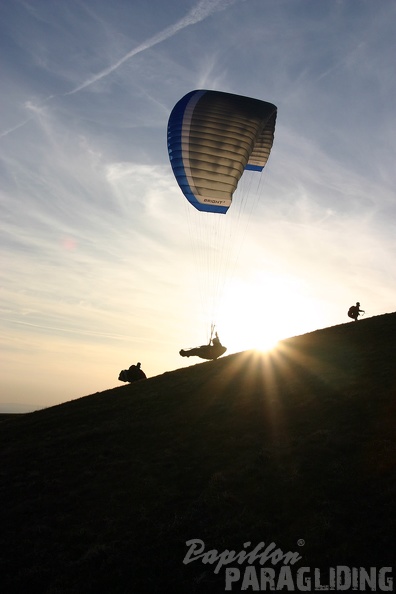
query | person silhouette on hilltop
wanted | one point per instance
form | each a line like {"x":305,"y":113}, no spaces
{"x":136,"y":373}
{"x":133,"y":374}
{"x":354,"y":311}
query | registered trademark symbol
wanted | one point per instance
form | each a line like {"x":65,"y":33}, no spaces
{"x":301,"y":542}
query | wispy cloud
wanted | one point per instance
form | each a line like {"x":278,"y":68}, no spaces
{"x":203,"y":10}
{"x":14,"y":128}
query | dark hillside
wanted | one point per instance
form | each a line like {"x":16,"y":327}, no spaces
{"x":101,"y":494}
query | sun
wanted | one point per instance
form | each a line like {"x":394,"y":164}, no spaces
{"x":258,"y":312}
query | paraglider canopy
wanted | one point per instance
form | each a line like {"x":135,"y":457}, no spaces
{"x":212,"y":138}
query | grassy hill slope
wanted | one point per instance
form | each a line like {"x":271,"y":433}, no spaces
{"x":100,"y":494}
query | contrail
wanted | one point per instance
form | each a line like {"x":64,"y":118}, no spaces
{"x":29,"y":105}
{"x":6,"y":132}
{"x":198,"y":13}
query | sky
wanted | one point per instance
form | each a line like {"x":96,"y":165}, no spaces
{"x":99,"y":262}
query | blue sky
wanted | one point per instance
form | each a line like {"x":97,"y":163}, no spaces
{"x":98,"y":270}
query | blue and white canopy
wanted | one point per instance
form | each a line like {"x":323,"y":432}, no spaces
{"x":212,"y":138}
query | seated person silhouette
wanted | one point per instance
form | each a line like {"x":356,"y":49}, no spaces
{"x":133,"y":374}
{"x":216,"y":341}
